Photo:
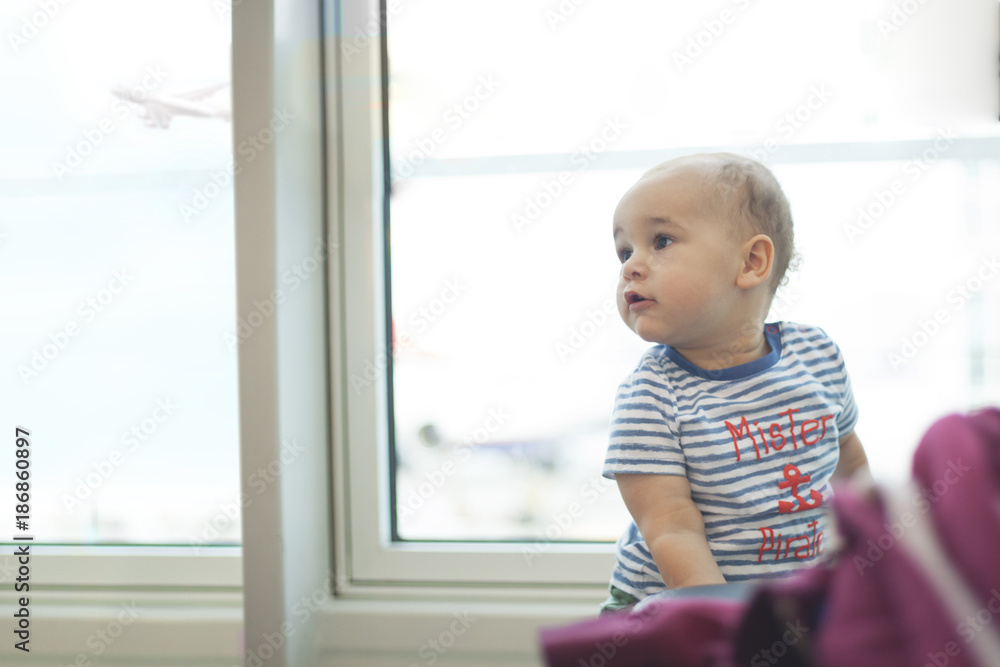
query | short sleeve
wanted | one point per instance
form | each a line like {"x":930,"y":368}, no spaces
{"x":848,"y":417}
{"x":642,"y":436}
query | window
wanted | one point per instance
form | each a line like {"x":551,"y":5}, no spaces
{"x":513,"y":131}
{"x":119,"y":260}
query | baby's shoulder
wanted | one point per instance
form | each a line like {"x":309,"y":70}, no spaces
{"x":798,"y":330}
{"x":654,"y":360}
{"x":650,"y":369}
{"x":806,"y":339}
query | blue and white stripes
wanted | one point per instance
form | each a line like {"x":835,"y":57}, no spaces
{"x":757,"y":442}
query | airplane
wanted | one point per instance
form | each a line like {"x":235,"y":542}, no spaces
{"x":159,"y":108}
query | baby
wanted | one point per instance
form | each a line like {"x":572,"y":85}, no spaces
{"x":725,"y":437}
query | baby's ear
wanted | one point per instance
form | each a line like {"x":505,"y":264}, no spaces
{"x":757,"y":256}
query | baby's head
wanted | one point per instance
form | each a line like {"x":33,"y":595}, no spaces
{"x":745,"y":194}
{"x":707,"y":239}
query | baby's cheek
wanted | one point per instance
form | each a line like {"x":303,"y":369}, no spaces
{"x":622,"y":307}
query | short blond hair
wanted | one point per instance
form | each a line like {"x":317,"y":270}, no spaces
{"x":748,"y":195}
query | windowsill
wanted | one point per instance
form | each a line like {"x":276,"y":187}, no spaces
{"x":465,"y":628}
{"x":368,"y":624}
{"x":183,"y":627}
{"x":137,"y":567}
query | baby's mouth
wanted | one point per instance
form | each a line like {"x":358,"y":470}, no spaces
{"x":634,"y":297}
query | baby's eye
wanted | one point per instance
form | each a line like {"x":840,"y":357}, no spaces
{"x":663,"y":241}
{"x":623,"y":255}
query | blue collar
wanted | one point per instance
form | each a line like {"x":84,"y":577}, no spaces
{"x":772,"y":332}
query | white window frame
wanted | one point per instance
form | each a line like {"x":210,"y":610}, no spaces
{"x":366,"y":561}
{"x":379,"y":584}
{"x":181,"y":566}
{"x":361,"y":418}
{"x":365,"y":553}
{"x":139,"y":566}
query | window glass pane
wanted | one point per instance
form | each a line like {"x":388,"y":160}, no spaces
{"x":508,"y":161}
{"x":659,"y":66}
{"x":118,"y":266}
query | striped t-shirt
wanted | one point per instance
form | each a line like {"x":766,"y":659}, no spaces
{"x":757,"y":442}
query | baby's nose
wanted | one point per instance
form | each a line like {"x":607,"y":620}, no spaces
{"x":634,"y":266}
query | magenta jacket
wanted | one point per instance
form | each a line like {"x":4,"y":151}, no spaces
{"x":916,"y":583}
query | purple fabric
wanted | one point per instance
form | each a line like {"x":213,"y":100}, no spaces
{"x":966,"y":513}
{"x":880,"y":609}
{"x":872,"y":606}
{"x":677,"y":632}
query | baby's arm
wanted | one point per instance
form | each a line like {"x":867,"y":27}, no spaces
{"x":852,"y":456}
{"x":672,"y":527}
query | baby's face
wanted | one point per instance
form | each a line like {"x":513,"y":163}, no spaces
{"x":679,"y":261}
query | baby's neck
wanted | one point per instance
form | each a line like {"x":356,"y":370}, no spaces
{"x":744,"y":347}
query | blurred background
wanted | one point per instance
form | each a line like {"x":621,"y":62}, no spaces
{"x":117,"y":223}
{"x":514,"y":130}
